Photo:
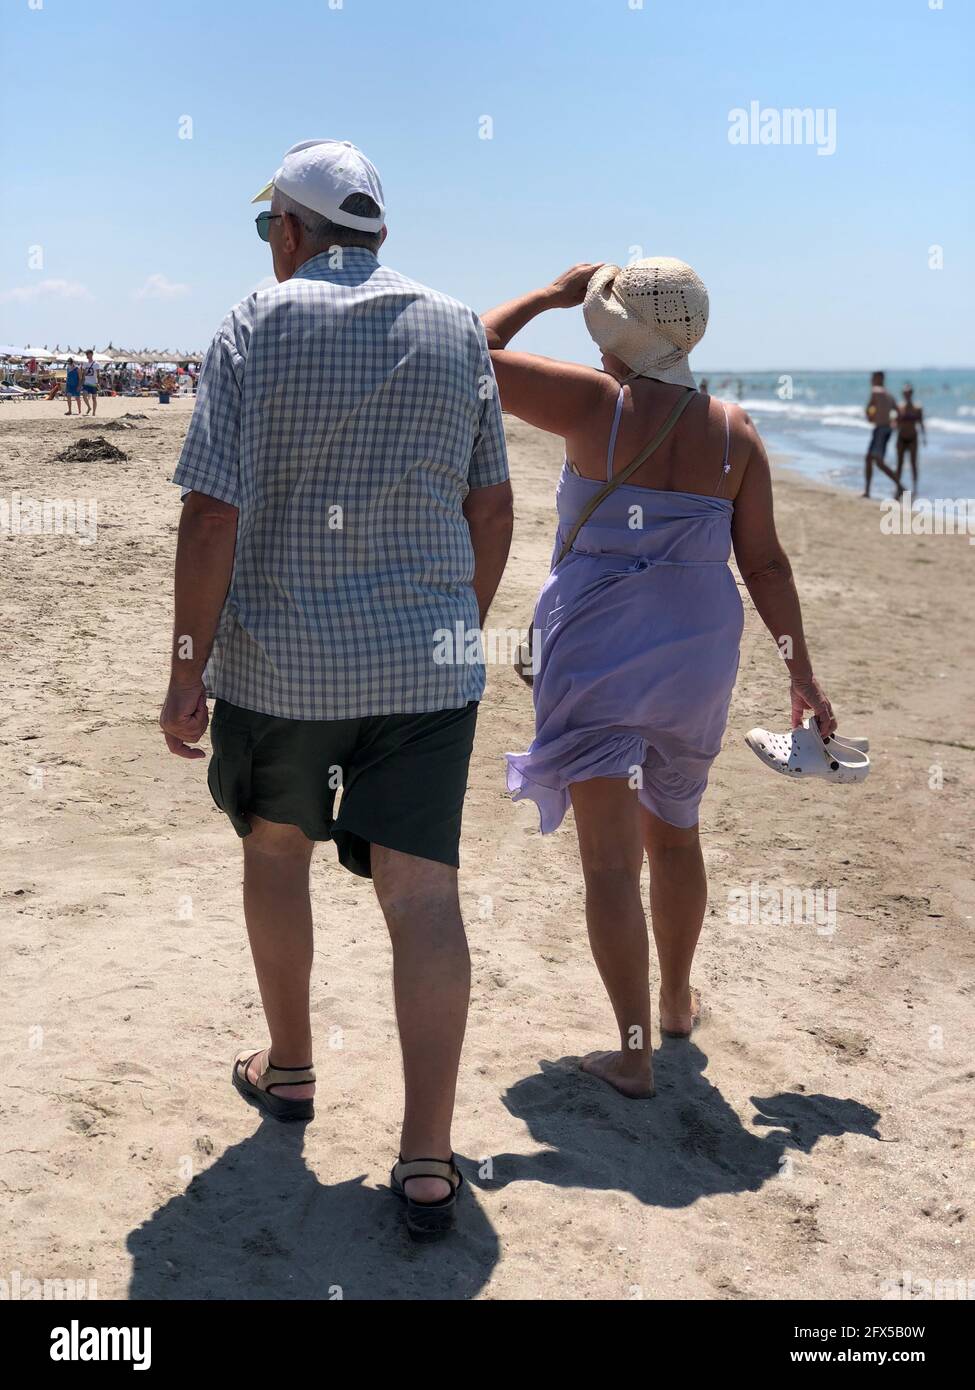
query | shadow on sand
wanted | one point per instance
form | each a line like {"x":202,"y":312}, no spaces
{"x":259,"y":1225}
{"x":668,"y":1152}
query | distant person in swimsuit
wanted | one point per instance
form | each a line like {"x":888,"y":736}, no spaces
{"x":910,"y":418}
{"x":880,"y":407}
{"x":639,"y":625}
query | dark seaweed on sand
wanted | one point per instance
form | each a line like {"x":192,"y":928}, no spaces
{"x":91,"y":450}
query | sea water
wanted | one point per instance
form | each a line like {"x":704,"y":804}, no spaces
{"x":815,"y":422}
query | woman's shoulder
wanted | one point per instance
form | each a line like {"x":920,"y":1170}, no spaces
{"x":744,"y":440}
{"x":741,"y":426}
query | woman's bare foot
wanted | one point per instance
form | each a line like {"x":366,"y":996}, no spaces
{"x":634,"y":1080}
{"x":679,"y":1017}
{"x":257,"y":1064}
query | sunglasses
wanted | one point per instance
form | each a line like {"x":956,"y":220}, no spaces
{"x":263,"y":222}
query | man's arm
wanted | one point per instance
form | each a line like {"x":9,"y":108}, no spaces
{"x":208,"y":472}
{"x":490,"y":517}
{"x":488,"y":507}
{"x":204,"y":563}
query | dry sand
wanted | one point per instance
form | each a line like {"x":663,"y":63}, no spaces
{"x":814,"y":1141}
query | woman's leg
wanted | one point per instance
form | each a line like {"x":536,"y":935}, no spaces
{"x":678,"y":897}
{"x":611,"y":848}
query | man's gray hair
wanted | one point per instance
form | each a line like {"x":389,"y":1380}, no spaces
{"x":322,"y":231}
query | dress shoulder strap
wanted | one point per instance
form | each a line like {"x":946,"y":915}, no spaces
{"x":614,"y":433}
{"x":725,"y":464}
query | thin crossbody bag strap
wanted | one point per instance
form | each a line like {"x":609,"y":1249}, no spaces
{"x":626,"y":472}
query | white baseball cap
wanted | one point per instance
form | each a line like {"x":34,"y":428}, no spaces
{"x":321,"y":174}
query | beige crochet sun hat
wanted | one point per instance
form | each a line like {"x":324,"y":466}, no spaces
{"x":649,"y":314}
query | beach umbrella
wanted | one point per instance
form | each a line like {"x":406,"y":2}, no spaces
{"x":97,"y":357}
{"x":41,"y":354}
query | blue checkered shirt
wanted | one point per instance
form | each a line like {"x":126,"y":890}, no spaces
{"x":346,"y":413}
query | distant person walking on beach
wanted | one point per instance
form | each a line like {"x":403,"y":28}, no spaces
{"x":880,"y":407}
{"x":910,"y":418}
{"x":90,"y":384}
{"x":639,"y":621}
{"x":346,"y":503}
{"x":72,"y":384}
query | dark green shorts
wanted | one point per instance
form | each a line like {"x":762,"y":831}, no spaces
{"x":402,"y":778}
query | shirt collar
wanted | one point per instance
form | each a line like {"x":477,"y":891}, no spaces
{"x":320,"y":267}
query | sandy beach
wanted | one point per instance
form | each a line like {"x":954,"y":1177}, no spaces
{"x":815,"y":1140}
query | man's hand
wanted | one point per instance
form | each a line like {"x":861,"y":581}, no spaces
{"x":204,"y":564}
{"x":184,"y":718}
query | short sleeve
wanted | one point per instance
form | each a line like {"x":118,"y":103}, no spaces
{"x":489,"y":459}
{"x":210,"y":461}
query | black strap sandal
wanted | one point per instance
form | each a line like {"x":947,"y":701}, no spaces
{"x":259,"y":1092}
{"x":427,"y":1220}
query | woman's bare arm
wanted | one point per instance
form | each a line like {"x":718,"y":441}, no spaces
{"x":767,"y":573}
{"x":503,"y":322}
{"x":565,"y":292}
{"x":554,"y":396}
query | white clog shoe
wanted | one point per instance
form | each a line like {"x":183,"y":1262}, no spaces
{"x":803,"y":753}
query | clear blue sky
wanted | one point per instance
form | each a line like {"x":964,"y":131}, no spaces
{"x":610,"y":131}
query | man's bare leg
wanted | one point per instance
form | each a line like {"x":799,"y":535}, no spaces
{"x":678,"y":898}
{"x":277,"y":909}
{"x":611,"y":848}
{"x":867,"y":474}
{"x":884,"y":468}
{"x":431,"y":987}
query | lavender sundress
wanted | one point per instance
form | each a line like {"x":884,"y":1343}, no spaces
{"x":639,"y":629}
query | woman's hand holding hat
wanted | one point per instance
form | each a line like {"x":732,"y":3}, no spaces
{"x":568,"y":290}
